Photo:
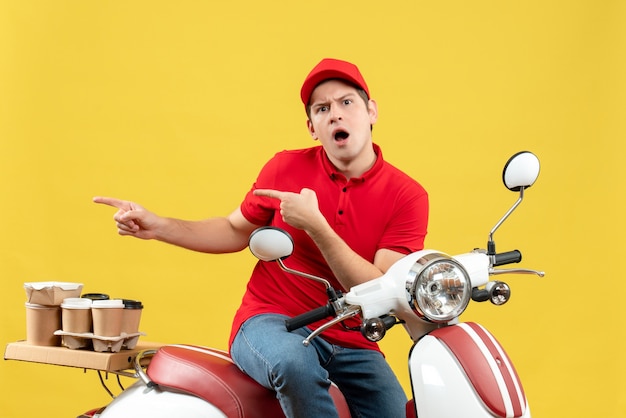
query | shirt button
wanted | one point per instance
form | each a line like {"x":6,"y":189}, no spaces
{"x":341,"y":212}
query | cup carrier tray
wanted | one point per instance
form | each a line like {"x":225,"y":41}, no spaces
{"x":114,"y":344}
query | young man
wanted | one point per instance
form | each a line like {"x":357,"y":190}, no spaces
{"x":351,"y":215}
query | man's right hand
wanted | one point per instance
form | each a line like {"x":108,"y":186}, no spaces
{"x":131,"y":218}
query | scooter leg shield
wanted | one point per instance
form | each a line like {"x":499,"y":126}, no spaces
{"x":461,"y":370}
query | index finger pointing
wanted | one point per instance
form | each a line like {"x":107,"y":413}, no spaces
{"x":116,"y":203}
{"x":276,"y":194}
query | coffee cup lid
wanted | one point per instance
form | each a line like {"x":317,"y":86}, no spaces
{"x":96,"y":296}
{"x":132,"y":304}
{"x":109,"y":303}
{"x":76,"y":303}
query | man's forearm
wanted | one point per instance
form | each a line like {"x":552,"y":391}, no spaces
{"x":213,"y":235}
{"x":349,"y":268}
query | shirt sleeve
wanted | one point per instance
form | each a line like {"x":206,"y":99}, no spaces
{"x":260,"y":210}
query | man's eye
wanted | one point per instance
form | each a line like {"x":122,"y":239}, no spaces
{"x":347,"y":101}
{"x":322,"y":109}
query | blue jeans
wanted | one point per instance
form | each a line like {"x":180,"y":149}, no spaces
{"x":301,"y":376}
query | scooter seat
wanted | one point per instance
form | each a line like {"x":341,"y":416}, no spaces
{"x":211,"y":375}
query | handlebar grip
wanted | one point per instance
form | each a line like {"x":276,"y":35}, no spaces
{"x":309,"y":317}
{"x":508,"y":257}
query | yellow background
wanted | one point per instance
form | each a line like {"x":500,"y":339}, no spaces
{"x":177,"y":104}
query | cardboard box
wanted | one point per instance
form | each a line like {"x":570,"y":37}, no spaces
{"x":51,"y":293}
{"x":84,"y":359}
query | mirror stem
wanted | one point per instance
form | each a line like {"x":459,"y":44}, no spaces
{"x":491,"y":245}
{"x":329,"y":289}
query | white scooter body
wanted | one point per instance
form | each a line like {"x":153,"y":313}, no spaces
{"x":459,"y":370}
{"x":458,"y":375}
{"x":140,"y":401}
{"x":456,"y":371}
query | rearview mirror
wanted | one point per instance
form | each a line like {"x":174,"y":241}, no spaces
{"x":520,"y":171}
{"x":269,"y":243}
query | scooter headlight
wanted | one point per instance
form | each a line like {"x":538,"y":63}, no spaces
{"x":438,"y":288}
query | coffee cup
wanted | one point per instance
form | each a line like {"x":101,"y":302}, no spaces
{"x":76,"y":315}
{"x":107,"y":317}
{"x":41,"y":323}
{"x":132,"y":316}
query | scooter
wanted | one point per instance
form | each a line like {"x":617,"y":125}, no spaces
{"x":456,"y":369}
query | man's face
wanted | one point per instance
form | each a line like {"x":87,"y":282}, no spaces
{"x":342,"y":122}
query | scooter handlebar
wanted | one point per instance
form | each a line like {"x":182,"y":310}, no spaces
{"x":508,"y":257}
{"x":309,"y":317}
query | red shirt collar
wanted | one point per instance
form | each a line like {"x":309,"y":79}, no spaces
{"x":332,"y":171}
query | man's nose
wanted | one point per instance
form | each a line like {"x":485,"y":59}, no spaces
{"x":335,"y":113}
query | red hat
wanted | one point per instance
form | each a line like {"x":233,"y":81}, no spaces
{"x":327,"y":69}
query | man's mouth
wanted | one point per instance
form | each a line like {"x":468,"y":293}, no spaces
{"x":341,"y":135}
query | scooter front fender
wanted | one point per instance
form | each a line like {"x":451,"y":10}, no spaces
{"x":139,"y":401}
{"x":462,"y":371}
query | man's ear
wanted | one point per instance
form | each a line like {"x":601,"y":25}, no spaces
{"x":373,"y":111}
{"x":311,"y":129}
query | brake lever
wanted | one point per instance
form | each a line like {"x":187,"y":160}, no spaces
{"x":350,"y":312}
{"x":495,"y":272}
